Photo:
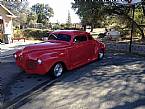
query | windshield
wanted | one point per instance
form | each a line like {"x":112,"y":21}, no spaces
{"x":62,"y":37}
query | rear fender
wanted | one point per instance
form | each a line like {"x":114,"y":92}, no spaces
{"x":101,"y":45}
{"x":18,"y":52}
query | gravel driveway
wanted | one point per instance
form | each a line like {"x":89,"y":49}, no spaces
{"x":116,"y":82}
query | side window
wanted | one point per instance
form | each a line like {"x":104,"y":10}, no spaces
{"x":90,"y":37}
{"x":79,"y":39}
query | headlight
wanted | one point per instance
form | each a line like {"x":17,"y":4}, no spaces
{"x":15,"y":55}
{"x":39,"y":61}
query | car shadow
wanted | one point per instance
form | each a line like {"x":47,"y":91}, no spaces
{"x":116,"y":82}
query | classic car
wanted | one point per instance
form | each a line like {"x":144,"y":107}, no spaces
{"x":64,"y":50}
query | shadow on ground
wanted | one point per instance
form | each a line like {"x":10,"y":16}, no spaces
{"x":117,"y":82}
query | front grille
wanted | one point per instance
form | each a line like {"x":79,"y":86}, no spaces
{"x":20,"y":59}
{"x":31,"y":64}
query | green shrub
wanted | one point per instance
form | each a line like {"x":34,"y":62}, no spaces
{"x":18,"y":33}
{"x":35,"y":33}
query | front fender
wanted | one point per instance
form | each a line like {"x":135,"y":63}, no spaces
{"x":53,"y":55}
{"x":49,"y":59}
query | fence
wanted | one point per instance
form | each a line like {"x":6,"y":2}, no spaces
{"x":124,"y":47}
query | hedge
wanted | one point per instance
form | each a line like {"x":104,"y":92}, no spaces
{"x":35,"y":33}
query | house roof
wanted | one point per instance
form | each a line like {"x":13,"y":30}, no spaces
{"x":10,"y":13}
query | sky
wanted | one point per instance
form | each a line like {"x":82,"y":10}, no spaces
{"x":132,"y":1}
{"x":60,"y":8}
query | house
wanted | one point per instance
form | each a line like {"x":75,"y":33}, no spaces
{"x":6,"y":26}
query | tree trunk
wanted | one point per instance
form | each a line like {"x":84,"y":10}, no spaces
{"x":84,"y":27}
{"x":92,"y":27}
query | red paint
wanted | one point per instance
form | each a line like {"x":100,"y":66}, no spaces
{"x":72,"y":54}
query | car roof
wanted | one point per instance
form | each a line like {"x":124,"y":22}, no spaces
{"x":70,"y":32}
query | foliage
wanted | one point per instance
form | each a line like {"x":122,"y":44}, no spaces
{"x":139,"y":15}
{"x":68,"y":23}
{"x":39,"y":13}
{"x":43,"y":11}
{"x":99,"y":13}
{"x":57,"y":26}
{"x":35,"y":33}
{"x":90,"y":12}
{"x":31,"y":18}
{"x":18,"y":33}
{"x":18,"y":8}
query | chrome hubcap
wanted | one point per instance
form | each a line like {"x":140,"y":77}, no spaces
{"x":58,"y":69}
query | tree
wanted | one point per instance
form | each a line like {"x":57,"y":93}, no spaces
{"x":68,"y":23}
{"x":19,"y":8}
{"x":124,"y":11}
{"x":43,"y":11}
{"x":31,"y":18}
{"x":90,"y":12}
{"x":16,"y":7}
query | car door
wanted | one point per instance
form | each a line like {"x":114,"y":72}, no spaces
{"x":78,"y":50}
{"x":90,"y":47}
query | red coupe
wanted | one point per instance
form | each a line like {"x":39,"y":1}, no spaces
{"x":64,"y":50}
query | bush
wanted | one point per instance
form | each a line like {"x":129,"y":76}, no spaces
{"x":101,"y":35}
{"x":35,"y":33}
{"x":18,"y":33}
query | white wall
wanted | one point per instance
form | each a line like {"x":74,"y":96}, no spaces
{"x":8,"y":26}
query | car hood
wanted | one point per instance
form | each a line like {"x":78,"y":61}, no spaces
{"x":50,"y":45}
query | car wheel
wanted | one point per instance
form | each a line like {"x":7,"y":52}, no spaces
{"x":57,"y":70}
{"x":101,"y":54}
